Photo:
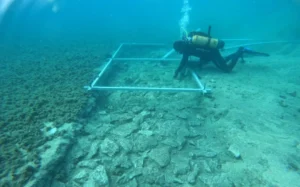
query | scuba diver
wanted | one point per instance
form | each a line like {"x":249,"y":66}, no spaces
{"x":203,"y":46}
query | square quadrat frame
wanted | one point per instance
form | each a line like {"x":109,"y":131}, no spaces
{"x":200,"y":89}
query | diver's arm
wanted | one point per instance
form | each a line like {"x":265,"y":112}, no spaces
{"x":182,"y":64}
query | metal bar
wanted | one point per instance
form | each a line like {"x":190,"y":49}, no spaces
{"x":146,"y":59}
{"x":149,"y":44}
{"x":261,"y":43}
{"x":197,"y":80}
{"x":168,"y":53}
{"x":148,"y":89}
{"x":240,"y":39}
{"x":106,"y":66}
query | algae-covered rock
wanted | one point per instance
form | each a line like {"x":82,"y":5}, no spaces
{"x":109,"y":147}
{"x":91,"y":164}
{"x":125,"y":144}
{"x":143,"y":142}
{"x":52,"y":154}
{"x":160,"y":156}
{"x":125,"y":129}
{"x":99,"y":176}
{"x":93,"y":149}
{"x":81,"y":176}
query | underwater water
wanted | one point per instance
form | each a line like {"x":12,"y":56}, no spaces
{"x":60,"y":126}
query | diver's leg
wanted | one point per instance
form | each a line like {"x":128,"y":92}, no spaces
{"x":234,"y":58}
{"x":240,"y":52}
{"x":203,"y":61}
{"x":221,"y":62}
{"x":229,"y":57}
{"x":243,"y":50}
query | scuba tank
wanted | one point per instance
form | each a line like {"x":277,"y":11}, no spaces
{"x":204,"y":40}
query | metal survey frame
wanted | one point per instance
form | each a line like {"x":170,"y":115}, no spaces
{"x":201,"y":88}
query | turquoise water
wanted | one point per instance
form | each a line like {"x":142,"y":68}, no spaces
{"x":131,"y":20}
{"x":56,"y":133}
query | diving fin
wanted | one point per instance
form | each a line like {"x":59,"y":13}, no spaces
{"x":251,"y":52}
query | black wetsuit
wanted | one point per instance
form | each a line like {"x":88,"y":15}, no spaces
{"x":206,"y":55}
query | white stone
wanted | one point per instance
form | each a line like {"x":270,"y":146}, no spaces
{"x":51,"y":132}
{"x":49,"y":129}
{"x":233,"y":149}
{"x":146,"y":132}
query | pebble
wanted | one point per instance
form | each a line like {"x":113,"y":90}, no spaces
{"x":137,"y":109}
{"x":146,"y":132}
{"x":145,"y":114}
{"x":234,"y":151}
{"x":103,"y":112}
